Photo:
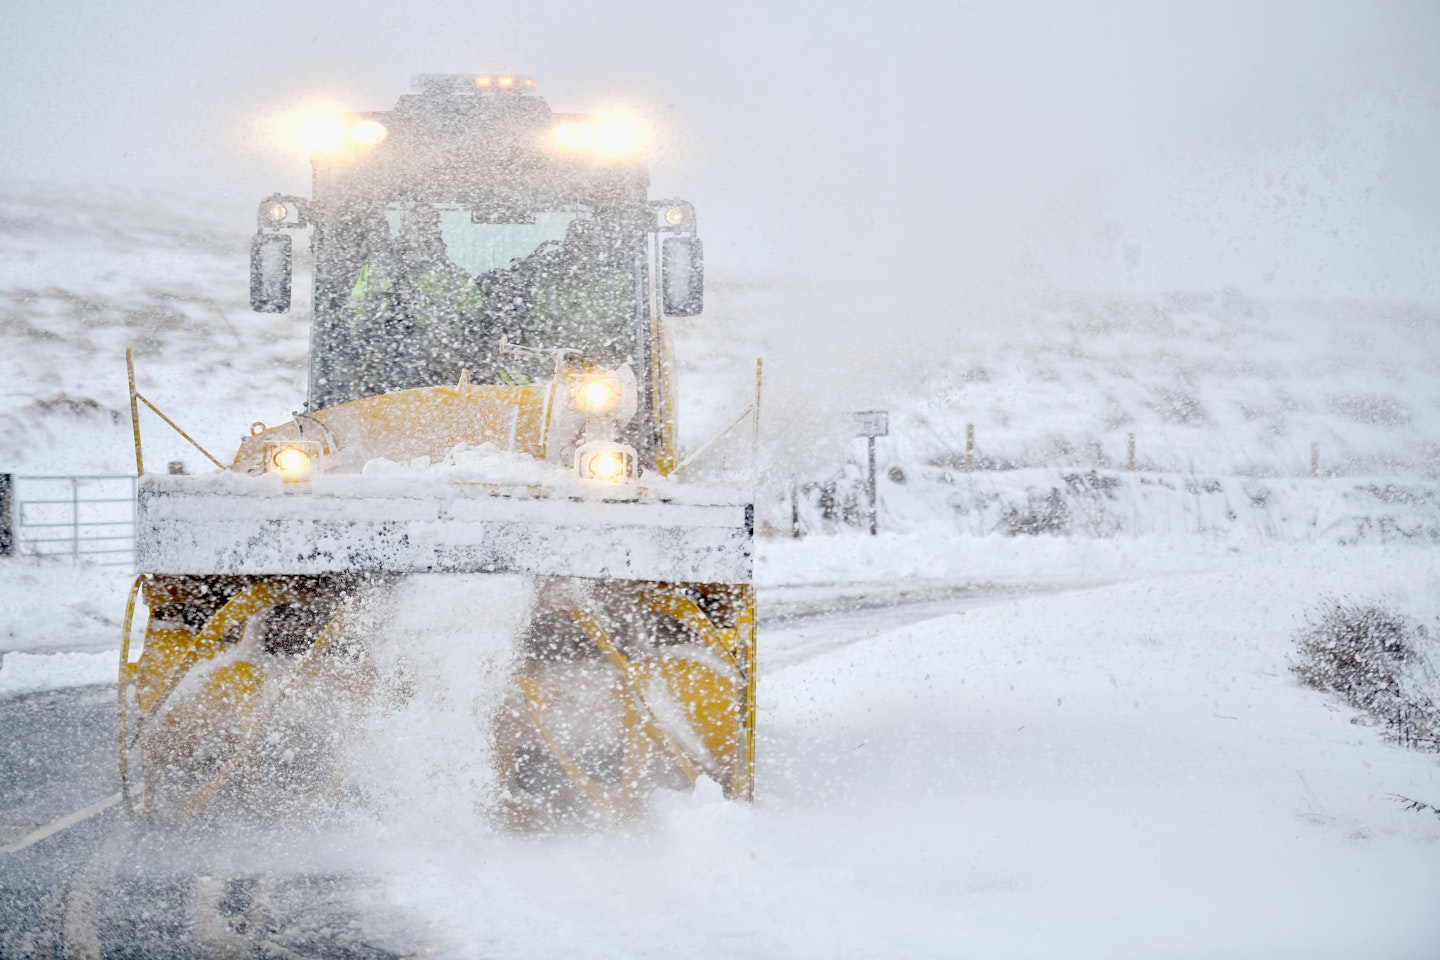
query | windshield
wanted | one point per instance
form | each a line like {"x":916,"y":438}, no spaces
{"x":477,"y":246}
{"x":411,"y":294}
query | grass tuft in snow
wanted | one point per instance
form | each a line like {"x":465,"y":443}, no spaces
{"x":1415,"y":806}
{"x":1379,"y":662}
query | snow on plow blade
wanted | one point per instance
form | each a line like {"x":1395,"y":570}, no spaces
{"x":233,"y":526}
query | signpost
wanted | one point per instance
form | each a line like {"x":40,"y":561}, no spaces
{"x":871,"y":424}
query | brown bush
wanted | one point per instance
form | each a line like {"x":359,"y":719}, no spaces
{"x":1377,"y":661}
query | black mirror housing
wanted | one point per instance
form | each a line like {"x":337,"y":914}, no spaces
{"x":270,"y":267}
{"x":682,"y":275}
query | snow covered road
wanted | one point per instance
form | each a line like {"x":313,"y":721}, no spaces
{"x":1123,"y":771}
{"x":1123,"y":767}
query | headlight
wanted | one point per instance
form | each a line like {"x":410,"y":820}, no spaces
{"x":606,"y":465}
{"x":595,"y":394}
{"x":605,"y":461}
{"x":294,"y":460}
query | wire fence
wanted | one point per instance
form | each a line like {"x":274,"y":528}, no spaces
{"x":81,"y":518}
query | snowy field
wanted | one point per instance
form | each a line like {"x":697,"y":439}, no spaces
{"x":1080,"y":741}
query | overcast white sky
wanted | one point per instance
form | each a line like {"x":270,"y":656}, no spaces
{"x":1282,"y":148}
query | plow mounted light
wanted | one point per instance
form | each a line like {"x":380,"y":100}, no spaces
{"x":293,"y":460}
{"x":606,"y":462}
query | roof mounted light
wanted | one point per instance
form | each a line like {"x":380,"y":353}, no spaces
{"x":336,"y":134}
{"x":487,"y":82}
{"x":597,"y":136}
{"x":321,"y":132}
{"x":368,"y":132}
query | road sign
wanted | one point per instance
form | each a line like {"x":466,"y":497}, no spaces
{"x":872,"y":423}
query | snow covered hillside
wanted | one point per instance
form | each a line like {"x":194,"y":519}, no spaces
{"x":1209,"y":385}
{"x":85,"y":274}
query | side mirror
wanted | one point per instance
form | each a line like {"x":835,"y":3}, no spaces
{"x":682,"y":275}
{"x":270,"y":273}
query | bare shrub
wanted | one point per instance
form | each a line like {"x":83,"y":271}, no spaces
{"x":1378,"y":662}
{"x":1043,"y":513}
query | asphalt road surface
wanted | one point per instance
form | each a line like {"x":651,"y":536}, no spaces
{"x":108,"y":887}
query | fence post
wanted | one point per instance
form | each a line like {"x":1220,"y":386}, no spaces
{"x":1315,"y":459}
{"x":1130,"y":452}
{"x":75,"y":517}
{"x":7,"y":515}
{"x":969,"y":447}
{"x":795,"y":508}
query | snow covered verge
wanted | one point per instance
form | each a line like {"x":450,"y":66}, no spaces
{"x":1110,"y":503}
{"x":61,"y":624}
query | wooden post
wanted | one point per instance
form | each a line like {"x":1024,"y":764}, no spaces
{"x":1314,"y":459}
{"x":1130,"y":452}
{"x":969,"y":447}
{"x":135,"y":414}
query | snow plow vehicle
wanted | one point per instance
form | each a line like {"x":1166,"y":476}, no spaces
{"x":491,"y":392}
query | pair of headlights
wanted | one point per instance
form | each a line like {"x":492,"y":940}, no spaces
{"x":605,"y":461}
{"x":602,"y":397}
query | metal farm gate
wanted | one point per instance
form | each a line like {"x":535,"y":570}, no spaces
{"x":89,"y":518}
